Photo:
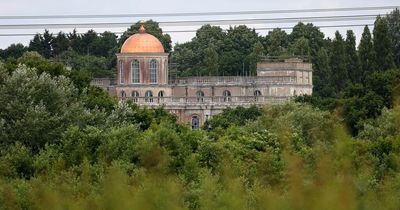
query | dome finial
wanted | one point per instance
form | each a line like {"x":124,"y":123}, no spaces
{"x":142,"y":29}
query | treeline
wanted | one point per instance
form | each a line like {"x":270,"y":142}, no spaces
{"x":66,"y":147}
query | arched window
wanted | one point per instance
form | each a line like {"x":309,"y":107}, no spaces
{"x":195,"y":123}
{"x":148,"y":96}
{"x":227,"y":95}
{"x":121,"y":72}
{"x":123,"y":94}
{"x":257,"y":93}
{"x":200,"y":96}
{"x":161,"y":95}
{"x":153,"y":71}
{"x":135,"y":96}
{"x":135,"y":71}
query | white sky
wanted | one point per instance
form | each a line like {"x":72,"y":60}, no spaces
{"x":86,"y":7}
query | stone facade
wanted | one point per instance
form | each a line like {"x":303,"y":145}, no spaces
{"x":142,"y":76}
{"x":199,"y":98}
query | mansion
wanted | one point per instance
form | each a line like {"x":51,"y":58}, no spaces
{"x":142,"y":76}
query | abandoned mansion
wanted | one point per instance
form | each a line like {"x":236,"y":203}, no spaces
{"x":142,"y":76}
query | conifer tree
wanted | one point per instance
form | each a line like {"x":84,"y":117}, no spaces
{"x":382,"y":45}
{"x":352,"y":60}
{"x":394,"y":30}
{"x":258,"y":50}
{"x":338,"y":62}
{"x":322,"y":75}
{"x":366,"y":53}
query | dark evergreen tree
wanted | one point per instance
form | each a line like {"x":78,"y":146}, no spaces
{"x":300,"y":48}
{"x":60,"y":44}
{"x":36,"y":44}
{"x":394,"y":31}
{"x":382,"y":45}
{"x":105,"y":45}
{"x":352,"y":60}
{"x":366,"y":53}
{"x":322,"y":75}
{"x":13,"y":51}
{"x":338,"y":62}
{"x":75,"y":41}
{"x":88,"y":41}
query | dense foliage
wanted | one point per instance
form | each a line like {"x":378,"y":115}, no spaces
{"x":67,"y":145}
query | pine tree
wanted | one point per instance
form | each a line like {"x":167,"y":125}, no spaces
{"x":366,"y":53}
{"x":394,"y":30}
{"x":382,"y":45}
{"x":47,"y":42}
{"x":352,"y":60}
{"x":322,"y":75}
{"x":338,"y":62}
{"x":60,"y":44}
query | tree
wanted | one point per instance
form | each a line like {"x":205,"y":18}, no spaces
{"x":300,"y":48}
{"x":322,"y":75}
{"x":211,"y":60}
{"x":88,"y":41}
{"x":394,"y":30}
{"x":312,"y":33}
{"x":352,"y":59}
{"x":60,"y":44}
{"x":382,"y":45}
{"x":36,"y":109}
{"x":105,"y":45}
{"x":276,"y":42}
{"x":75,"y":41}
{"x":13,"y":51}
{"x":152,"y":28}
{"x":338,"y":62}
{"x":366,"y":53}
{"x":42,"y":44}
{"x":254,"y":57}
{"x":238,"y":45}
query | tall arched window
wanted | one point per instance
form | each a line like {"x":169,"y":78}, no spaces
{"x":135,"y":96}
{"x":200,"y":96}
{"x":195,"y":123}
{"x":121,"y":72}
{"x":257,"y":93}
{"x":161,"y":95}
{"x":227,"y":95}
{"x":135,"y":71}
{"x":153,"y":71}
{"x":123,"y":94}
{"x":148,"y":96}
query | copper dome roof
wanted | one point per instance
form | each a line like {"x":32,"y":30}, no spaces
{"x":142,"y":42}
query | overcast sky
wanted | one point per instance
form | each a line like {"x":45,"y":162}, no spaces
{"x":78,"y":7}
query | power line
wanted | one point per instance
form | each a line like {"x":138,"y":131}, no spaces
{"x":198,"y":13}
{"x":191,"y":31}
{"x":194,"y":22}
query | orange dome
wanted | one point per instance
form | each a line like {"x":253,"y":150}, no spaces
{"x":142,"y":42}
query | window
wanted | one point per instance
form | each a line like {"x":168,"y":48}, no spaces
{"x":121,"y":72}
{"x":123,"y":94}
{"x":153,"y":71}
{"x":135,"y":96}
{"x":135,"y":71}
{"x":148,"y":96}
{"x":161,"y":96}
{"x":200,"y":96}
{"x":257,"y":93}
{"x":195,"y":123}
{"x":227,"y":95}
